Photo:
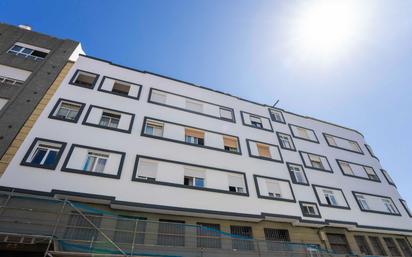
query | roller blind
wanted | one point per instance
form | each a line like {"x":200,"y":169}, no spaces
{"x":147,"y":168}
{"x":236,"y":181}
{"x":273,"y":187}
{"x":194,"y":133}
{"x":230,"y":141}
{"x":263,"y":150}
{"x":194,"y":172}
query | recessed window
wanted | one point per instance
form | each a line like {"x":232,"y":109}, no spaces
{"x":10,"y":81}
{"x":193,"y":181}
{"x":330,"y":197}
{"x":263,"y":150}
{"x":158,"y":97}
{"x":316,"y":162}
{"x":355,"y":147}
{"x":27,"y":51}
{"x":147,"y":170}
{"x":256,"y":121}
{"x":194,"y":106}
{"x":230,"y":144}
{"x":363,"y":245}
{"x":44,"y":154}
{"x":68,"y":111}
{"x":154,"y":128}
{"x":303,"y":132}
{"x":95,"y":162}
{"x":390,"y":207}
{"x":236,"y":184}
{"x":195,"y":137}
{"x":110,"y":120}
{"x":276,"y":116}
{"x":309,"y":209}
{"x":226,"y":113}
{"x":331,"y":140}
{"x":393,"y":249}
{"x":297,"y":174}
{"x":285,"y":141}
{"x":371,"y":173}
{"x":84,"y":79}
{"x":274,"y":189}
{"x":388,"y":177}
{"x":362,"y":202}
{"x":121,"y":88}
{"x":405,"y":205}
{"x":377,"y":246}
{"x":346,"y":168}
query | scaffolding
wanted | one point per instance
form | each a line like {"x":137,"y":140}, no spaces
{"x":68,"y":228}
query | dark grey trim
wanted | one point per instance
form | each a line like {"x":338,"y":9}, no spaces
{"x":403,"y":202}
{"x":372,"y":211}
{"x":313,"y":168}
{"x":369,"y":148}
{"x":135,"y":178}
{"x":260,"y":116}
{"x":387,"y":179}
{"x":341,"y":148}
{"x":291,"y":140}
{"x":24,"y":162}
{"x":330,"y":206}
{"x":281,"y":114}
{"x":113,"y":200}
{"x":255,"y":177}
{"x":142,"y":133}
{"x":66,"y":161}
{"x":261,"y":157}
{"x":79,"y":85}
{"x":302,"y":138}
{"x":51,"y":114}
{"x":216,"y":91}
{"x":129,"y":130}
{"x":292,"y":176}
{"x":99,"y":88}
{"x":187,"y":110}
{"x":354,"y":176}
{"x":307,"y":215}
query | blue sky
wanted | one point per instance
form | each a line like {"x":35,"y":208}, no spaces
{"x":252,"y":49}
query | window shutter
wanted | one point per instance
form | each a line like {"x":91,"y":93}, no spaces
{"x":230,"y":141}
{"x":263,"y":150}
{"x":273,"y":187}
{"x":194,"y":133}
{"x":147,"y":169}
{"x":193,"y":172}
{"x":236,"y":181}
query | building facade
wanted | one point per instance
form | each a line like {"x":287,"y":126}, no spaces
{"x":141,"y":144}
{"x":29,"y":63}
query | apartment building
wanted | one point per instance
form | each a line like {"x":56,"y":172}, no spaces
{"x":29,"y":63}
{"x":142,"y":145}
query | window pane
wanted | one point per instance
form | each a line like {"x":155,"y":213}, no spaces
{"x":101,"y":163}
{"x":39,"y":155}
{"x":51,"y":158}
{"x":88,"y":166}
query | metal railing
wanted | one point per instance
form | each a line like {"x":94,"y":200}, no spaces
{"x":63,"y":226}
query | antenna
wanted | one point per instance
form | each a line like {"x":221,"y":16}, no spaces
{"x":277,"y":101}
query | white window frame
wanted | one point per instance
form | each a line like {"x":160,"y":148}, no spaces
{"x":10,"y":81}
{"x":223,"y":110}
{"x":329,"y":194}
{"x":26,"y":51}
{"x":107,"y":115}
{"x":310,"y":205}
{"x":283,"y":139}
{"x":43,"y":147}
{"x":255,"y":120}
{"x":362,"y":202}
{"x":98,"y":157}
{"x":298,"y":169}
{"x":155,"y":126}
{"x":69,"y":110}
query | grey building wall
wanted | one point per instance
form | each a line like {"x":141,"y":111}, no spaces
{"x":23,"y":99}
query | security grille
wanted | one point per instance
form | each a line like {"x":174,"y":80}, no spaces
{"x":171,"y":232}
{"x":338,"y":243}
{"x":241,"y":242}
{"x":377,"y":245}
{"x":208,"y":235}
{"x":363,"y":245}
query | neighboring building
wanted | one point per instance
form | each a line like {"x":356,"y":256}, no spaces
{"x":29,"y":63}
{"x":143,"y":145}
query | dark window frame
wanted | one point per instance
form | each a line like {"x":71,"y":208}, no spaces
{"x":347,"y":207}
{"x":373,"y":211}
{"x":405,"y":206}
{"x":248,"y":141}
{"x":73,"y":78}
{"x":29,"y":152}
{"x":58,"y":103}
{"x":302,"y":138}
{"x":259,"y":195}
{"x":358,"y":177}
{"x":281,"y":114}
{"x":341,"y":148}
{"x":314,"y":168}
{"x":387,"y":179}
{"x":100,"y":88}
{"x":128,"y":130}
{"x":259,"y":116}
{"x":319,"y":215}
{"x":292,"y":175}
{"x":278,"y":134}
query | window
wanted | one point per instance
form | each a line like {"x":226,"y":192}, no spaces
{"x":3,"y":102}
{"x":363,"y":245}
{"x":302,"y":132}
{"x":68,"y":111}
{"x":369,"y":148}
{"x":276,"y":238}
{"x":355,"y":147}
{"x":309,"y":209}
{"x":154,"y":128}
{"x":331,"y":140}
{"x":338,"y":243}
{"x":130,"y":229}
{"x":263,"y":150}
{"x":171,"y":232}
{"x":316,"y":162}
{"x":147,"y":170}
{"x":236,"y":184}
{"x":10,"y":81}
{"x":346,"y":168}
{"x":285,"y":141}
{"x":194,"y":106}
{"x":405,"y":248}
{"x":193,"y":181}
{"x":390,"y":207}
{"x":95,"y":162}
{"x":29,"y":52}
{"x":256,"y":121}
{"x":276,"y":116}
{"x":273,"y":188}
{"x":226,"y":113}
{"x":244,"y":239}
{"x":371,"y":173}
{"x":297,"y":174}
{"x":330,"y":197}
{"x":393,"y":249}
{"x":44,"y":154}
{"x":84,"y":79}
{"x":79,"y":228}
{"x":110,"y":120}
{"x":208,"y":235}
{"x":388,"y":177}
{"x":230,"y":144}
{"x":377,"y":245}
{"x":121,"y":88}
{"x":405,"y":205}
{"x":362,"y":202}
{"x":158,"y":97}
{"x":195,"y":137}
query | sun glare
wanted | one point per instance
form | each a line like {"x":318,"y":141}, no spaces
{"x":323,"y":30}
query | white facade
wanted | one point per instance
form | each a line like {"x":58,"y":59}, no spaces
{"x":146,"y":169}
